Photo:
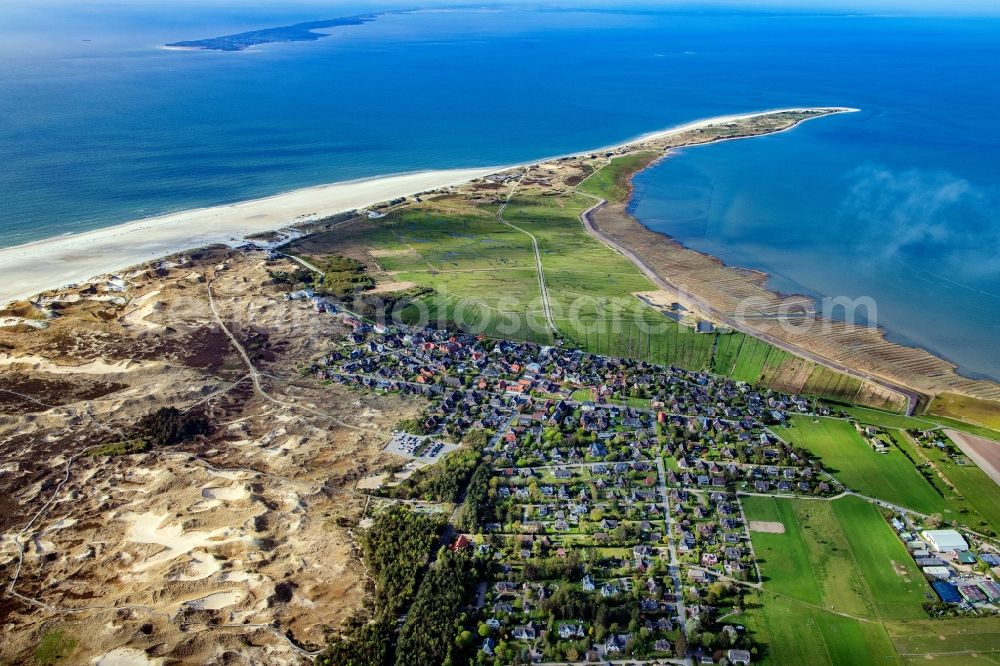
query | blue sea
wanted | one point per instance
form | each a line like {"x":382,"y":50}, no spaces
{"x":900,"y":202}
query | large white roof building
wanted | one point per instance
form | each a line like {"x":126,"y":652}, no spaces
{"x":945,"y":540}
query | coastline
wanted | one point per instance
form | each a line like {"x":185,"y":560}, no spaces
{"x":37,"y":266}
{"x":30,"y":268}
{"x":889,"y":371}
{"x":869,"y":354}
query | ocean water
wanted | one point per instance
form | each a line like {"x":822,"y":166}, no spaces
{"x":899,"y":202}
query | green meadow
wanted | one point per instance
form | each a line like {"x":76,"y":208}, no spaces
{"x":832,"y":581}
{"x":967,"y":641}
{"x":845,"y":454}
{"x":924,"y":422}
{"x":795,"y":633}
{"x":973,"y":495}
{"x":839,"y":555}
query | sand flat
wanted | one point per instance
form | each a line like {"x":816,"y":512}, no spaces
{"x":767,"y":526}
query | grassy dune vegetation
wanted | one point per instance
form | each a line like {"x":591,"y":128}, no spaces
{"x":833,"y":583}
{"x":612,"y":181}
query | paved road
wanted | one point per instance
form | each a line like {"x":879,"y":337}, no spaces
{"x":671,"y":548}
{"x":911,"y":396}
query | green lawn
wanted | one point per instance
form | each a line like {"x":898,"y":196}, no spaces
{"x":848,"y":457}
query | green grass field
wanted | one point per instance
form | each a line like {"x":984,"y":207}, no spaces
{"x":611,"y":181}
{"x":971,"y":493}
{"x":891,"y":477}
{"x":890,"y":576}
{"x":794,"y":633}
{"x":838,"y":555}
{"x":966,"y":641}
{"x":831,"y":581}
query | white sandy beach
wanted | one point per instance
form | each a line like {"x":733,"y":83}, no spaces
{"x":28,"y":269}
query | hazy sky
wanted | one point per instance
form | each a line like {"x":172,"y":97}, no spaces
{"x":334,"y":7}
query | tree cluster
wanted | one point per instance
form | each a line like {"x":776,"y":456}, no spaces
{"x":168,"y":425}
{"x":433,"y":633}
{"x":395,"y":548}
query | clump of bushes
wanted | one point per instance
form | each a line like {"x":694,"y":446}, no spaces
{"x":164,"y":427}
{"x":342,"y":277}
{"x":122,"y":448}
{"x":168,"y":426}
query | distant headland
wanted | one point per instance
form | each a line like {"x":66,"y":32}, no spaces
{"x":299,"y":32}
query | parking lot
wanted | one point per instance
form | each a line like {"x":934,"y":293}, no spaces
{"x":418,"y":447}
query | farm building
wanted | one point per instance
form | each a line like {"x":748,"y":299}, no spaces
{"x":945,"y":540}
{"x":972,"y":593}
{"x":990,"y":589}
{"x":948,"y":593}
